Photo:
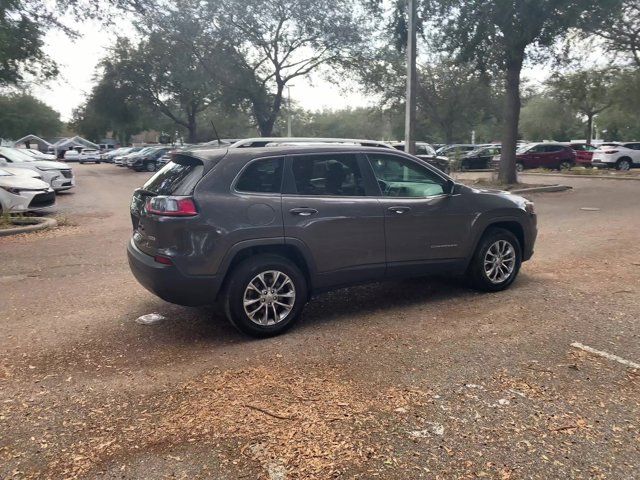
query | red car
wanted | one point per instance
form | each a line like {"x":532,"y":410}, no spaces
{"x":545,"y":155}
{"x":584,"y":153}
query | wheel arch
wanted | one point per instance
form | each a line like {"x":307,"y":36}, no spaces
{"x":290,"y":251}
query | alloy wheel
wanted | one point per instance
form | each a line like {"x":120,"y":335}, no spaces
{"x":269,"y":298}
{"x":499,"y":261}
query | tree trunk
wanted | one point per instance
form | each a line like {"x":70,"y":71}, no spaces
{"x":192,"y":130}
{"x":589,"y":128}
{"x":266,"y":122}
{"x":507,"y":173}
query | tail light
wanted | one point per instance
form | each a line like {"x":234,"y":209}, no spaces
{"x":171,"y":206}
{"x":610,"y":151}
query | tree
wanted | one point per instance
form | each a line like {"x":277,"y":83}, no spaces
{"x":254,"y":48}
{"x":544,"y":118}
{"x":23,"y":114}
{"x":622,"y":34}
{"x":586,"y":92}
{"x":502,"y":34}
{"x":454,"y":98}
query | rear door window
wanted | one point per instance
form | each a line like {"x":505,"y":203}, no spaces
{"x":178,"y":177}
{"x":262,"y":176}
{"x":328,"y":175}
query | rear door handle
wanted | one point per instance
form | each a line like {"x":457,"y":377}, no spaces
{"x":399,"y":210}
{"x":303,"y":211}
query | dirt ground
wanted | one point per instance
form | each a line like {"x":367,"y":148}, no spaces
{"x":412,"y":379}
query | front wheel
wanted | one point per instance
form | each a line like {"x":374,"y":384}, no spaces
{"x":519,"y":167}
{"x":150,"y":167}
{"x":565,"y":165}
{"x":497,"y":260}
{"x":265,"y":295}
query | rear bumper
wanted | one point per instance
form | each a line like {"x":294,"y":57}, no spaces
{"x":168,"y":283}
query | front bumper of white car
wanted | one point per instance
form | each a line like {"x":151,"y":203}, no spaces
{"x":18,"y":200}
{"x":59,"y":179}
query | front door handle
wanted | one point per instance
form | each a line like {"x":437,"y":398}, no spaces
{"x":399,"y":210}
{"x":303,"y":211}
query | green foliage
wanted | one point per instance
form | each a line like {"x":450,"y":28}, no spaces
{"x":544,"y":118}
{"x":500,"y":34}
{"x":23,"y":114}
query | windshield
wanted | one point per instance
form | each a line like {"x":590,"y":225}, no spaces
{"x":14,"y":155}
{"x":523,"y":148}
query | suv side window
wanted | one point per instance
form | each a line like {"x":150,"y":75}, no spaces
{"x":334,"y":174}
{"x":399,"y":177}
{"x":262,"y":176}
{"x":554,"y":148}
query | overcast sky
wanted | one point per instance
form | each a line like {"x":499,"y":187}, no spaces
{"x":77,"y":60}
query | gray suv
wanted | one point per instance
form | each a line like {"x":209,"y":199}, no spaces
{"x":261,"y":230}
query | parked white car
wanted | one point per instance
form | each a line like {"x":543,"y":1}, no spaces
{"x":57,"y":174}
{"x":83,"y":156}
{"x":23,"y":193}
{"x":37,"y":154}
{"x":621,"y":157}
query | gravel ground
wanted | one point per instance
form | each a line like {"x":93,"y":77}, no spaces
{"x":411,"y":379}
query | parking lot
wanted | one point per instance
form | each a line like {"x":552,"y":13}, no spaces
{"x":411,"y":379}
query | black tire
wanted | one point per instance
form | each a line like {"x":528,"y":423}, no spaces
{"x":624,"y":164}
{"x":519,"y":167}
{"x":150,"y":167}
{"x":98,"y":163}
{"x":238,"y":281}
{"x":476,"y":271}
{"x":81,"y":163}
{"x":565,"y":165}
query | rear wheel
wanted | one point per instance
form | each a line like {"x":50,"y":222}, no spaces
{"x":150,"y":167}
{"x":265,"y":295}
{"x":497,"y":260}
{"x":624,"y":164}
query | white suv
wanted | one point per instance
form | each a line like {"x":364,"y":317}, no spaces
{"x":83,"y":156}
{"x":622,"y":156}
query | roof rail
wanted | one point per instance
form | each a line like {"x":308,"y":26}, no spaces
{"x":279,"y":141}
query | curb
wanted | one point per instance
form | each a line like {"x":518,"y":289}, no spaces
{"x":30,"y":225}
{"x":564,"y":175}
{"x":548,"y":188}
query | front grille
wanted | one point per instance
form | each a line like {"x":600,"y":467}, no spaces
{"x":66,"y":173}
{"x":43,"y":200}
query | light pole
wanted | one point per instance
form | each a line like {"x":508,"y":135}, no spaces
{"x":289,"y":110}
{"x":410,"y":107}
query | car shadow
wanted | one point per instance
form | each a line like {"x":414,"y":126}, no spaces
{"x":184,"y":325}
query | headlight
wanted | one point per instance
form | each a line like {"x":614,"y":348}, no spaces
{"x":14,"y":191}
{"x":529,"y":207}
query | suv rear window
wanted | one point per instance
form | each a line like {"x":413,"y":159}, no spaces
{"x":262,"y":176}
{"x":176,"y":178}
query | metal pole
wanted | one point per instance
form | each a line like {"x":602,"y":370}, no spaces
{"x":410,"y":107}
{"x":289,"y":111}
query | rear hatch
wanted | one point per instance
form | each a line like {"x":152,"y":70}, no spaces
{"x":155,"y":233}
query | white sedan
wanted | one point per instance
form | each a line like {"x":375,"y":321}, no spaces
{"x":622,"y":156}
{"x":57,"y":174}
{"x":22,"y":192}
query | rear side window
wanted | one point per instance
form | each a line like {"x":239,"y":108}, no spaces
{"x":328,"y":175}
{"x":178,"y":177}
{"x":262,"y":176}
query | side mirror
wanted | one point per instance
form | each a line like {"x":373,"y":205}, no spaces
{"x":3,"y":162}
